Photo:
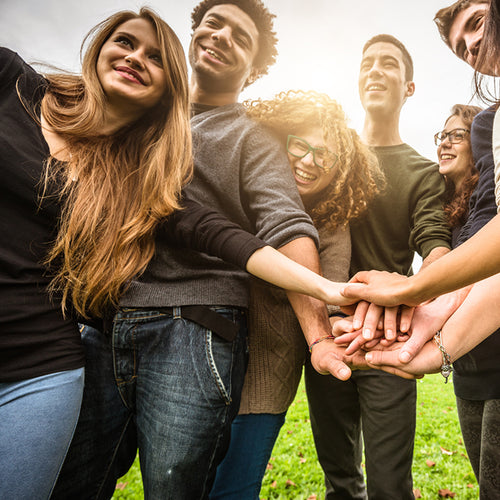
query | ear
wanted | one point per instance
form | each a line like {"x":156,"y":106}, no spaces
{"x":410,"y":89}
{"x":254,"y":74}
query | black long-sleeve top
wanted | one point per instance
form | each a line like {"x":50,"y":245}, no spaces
{"x":477,"y":373}
{"x":35,"y":338}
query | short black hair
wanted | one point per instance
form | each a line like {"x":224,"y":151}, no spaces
{"x":263,"y":19}
{"x":407,"y":60}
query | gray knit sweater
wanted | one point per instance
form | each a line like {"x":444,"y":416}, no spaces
{"x":243,"y":173}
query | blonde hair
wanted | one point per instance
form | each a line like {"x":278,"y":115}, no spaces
{"x":126,"y":183}
{"x":358,"y":178}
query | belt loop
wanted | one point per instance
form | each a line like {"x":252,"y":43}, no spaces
{"x":176,"y":312}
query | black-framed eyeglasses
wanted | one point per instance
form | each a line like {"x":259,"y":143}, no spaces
{"x":323,"y":158}
{"x":455,"y":136}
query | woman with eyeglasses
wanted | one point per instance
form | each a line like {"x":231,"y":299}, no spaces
{"x":476,"y":378}
{"x":457,"y":165}
{"x":336,"y":176}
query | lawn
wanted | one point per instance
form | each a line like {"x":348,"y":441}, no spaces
{"x":440,"y":466}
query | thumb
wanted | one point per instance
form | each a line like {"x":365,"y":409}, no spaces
{"x":411,"y":348}
{"x":354,"y":291}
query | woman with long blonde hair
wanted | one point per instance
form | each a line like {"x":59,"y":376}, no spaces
{"x":336,"y":176}
{"x":90,"y":164}
{"x":127,"y":151}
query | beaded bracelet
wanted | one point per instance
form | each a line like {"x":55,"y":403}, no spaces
{"x":317,"y":341}
{"x":446,"y":367}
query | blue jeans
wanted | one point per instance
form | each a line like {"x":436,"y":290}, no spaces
{"x":37,"y":420}
{"x":239,"y":476}
{"x":166,"y":385}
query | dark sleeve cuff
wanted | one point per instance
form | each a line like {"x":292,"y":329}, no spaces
{"x":200,"y":228}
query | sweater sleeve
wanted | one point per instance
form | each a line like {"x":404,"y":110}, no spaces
{"x":429,"y":229}
{"x":482,"y":207}
{"x":270,"y":194}
{"x":199,"y":228}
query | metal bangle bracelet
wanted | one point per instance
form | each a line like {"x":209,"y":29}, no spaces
{"x":446,"y":367}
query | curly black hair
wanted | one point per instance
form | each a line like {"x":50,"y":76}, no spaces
{"x":263,"y":19}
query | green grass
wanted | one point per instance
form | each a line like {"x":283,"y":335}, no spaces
{"x":294,"y":473}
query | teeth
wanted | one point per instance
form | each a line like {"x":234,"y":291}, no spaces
{"x":375,"y":86}
{"x":447,"y":157}
{"x":304,"y":175}
{"x":213,"y":54}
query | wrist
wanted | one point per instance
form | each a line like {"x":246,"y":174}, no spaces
{"x":416,"y":290}
{"x":320,"y":339}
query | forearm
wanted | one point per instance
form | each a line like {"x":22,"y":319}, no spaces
{"x":276,"y":268}
{"x":326,"y":357}
{"x":472,"y":261}
{"x":476,"y":319}
{"x":310,"y":311}
{"x":434,"y":255}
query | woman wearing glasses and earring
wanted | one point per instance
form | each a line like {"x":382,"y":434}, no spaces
{"x":470,"y":205}
{"x":336,"y":176}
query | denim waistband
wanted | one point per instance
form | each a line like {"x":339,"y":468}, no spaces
{"x":200,"y":314}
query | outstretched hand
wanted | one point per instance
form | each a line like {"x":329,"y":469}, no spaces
{"x":428,"y":360}
{"x":381,"y":288}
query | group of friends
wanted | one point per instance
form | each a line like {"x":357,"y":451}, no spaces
{"x":135,"y":206}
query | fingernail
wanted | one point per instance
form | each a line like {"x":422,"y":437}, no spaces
{"x":357,"y":324}
{"x":403,"y":327}
{"x":344,"y":372}
{"x":367,"y":334}
{"x":368,"y":357}
{"x":389,"y":334}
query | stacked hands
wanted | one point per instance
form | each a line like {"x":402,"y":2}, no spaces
{"x":397,"y":337}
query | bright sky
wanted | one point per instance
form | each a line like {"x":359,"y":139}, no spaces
{"x":320,"y":44}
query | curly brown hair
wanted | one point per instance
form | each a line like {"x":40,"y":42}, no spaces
{"x":358,"y":178}
{"x":456,"y":203}
{"x":263,"y":19}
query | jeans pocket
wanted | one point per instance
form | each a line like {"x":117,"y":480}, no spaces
{"x":220,"y":358}
{"x":227,"y":359}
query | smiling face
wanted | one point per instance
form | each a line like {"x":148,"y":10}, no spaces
{"x":382,"y":84}
{"x":310,"y":179}
{"x":455,"y":160}
{"x":223,"y":48}
{"x":130,"y":68}
{"x":466,"y":32}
